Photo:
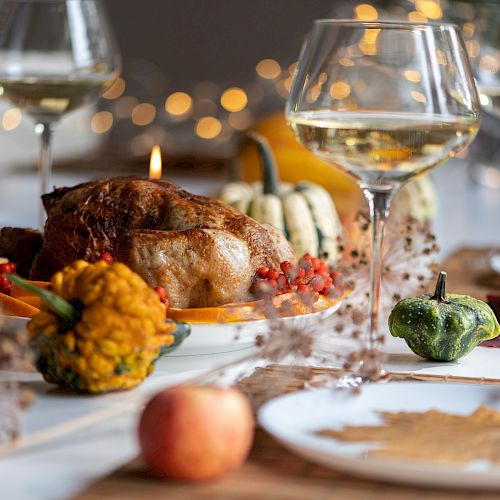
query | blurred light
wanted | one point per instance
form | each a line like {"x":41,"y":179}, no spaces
{"x":268,"y":69}
{"x":287,"y":83}
{"x":340,"y":90}
{"x":241,"y":120}
{"x":412,"y":75}
{"x":418,"y":96}
{"x":368,"y":44}
{"x":155,"y":163}
{"x":416,"y":17}
{"x":11,"y":119}
{"x":366,"y":12}
{"x":143,"y":114}
{"x":429,"y":8}
{"x":468,"y":29}
{"x":489,"y":63}
{"x":178,"y":103}
{"x":473,"y":48}
{"x":484,"y":100}
{"x":492,"y":177}
{"x":234,"y":99}
{"x":313,"y":94}
{"x":124,"y":106}
{"x":204,"y":107}
{"x":207,"y":90}
{"x":255,"y":93}
{"x":345,"y":61}
{"x":208,"y":127}
{"x":101,"y":122}
{"x":292,"y":68}
{"x":323,"y":77}
{"x":441,"y":57}
{"x":281,"y":89}
{"x":116,"y":90}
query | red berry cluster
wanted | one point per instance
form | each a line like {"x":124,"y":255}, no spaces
{"x":162,"y":294}
{"x":106,"y":257}
{"x":6,"y":267}
{"x":310,"y":276}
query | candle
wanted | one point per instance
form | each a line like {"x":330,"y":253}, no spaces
{"x":155,"y":163}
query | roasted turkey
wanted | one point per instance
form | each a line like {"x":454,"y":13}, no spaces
{"x":202,"y":251}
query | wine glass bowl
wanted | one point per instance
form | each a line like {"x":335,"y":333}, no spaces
{"x":55,"y":56}
{"x":383,"y":101}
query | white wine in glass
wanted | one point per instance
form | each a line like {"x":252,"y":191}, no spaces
{"x":379,"y":147}
{"x":55,"y":56}
{"x":384,"y":102}
{"x":47,"y":100}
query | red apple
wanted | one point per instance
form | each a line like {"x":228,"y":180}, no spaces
{"x":196,"y":432}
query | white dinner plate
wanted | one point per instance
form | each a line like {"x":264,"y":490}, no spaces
{"x":11,"y":324}
{"x":217,"y":338}
{"x":294,"y":418}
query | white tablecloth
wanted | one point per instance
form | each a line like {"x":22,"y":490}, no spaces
{"x":468,"y":215}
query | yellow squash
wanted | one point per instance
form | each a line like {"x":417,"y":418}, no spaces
{"x":100,"y":329}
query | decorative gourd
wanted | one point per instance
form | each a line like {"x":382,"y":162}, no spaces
{"x":100,"y":329}
{"x":443,"y":327}
{"x":296,"y":163}
{"x":305,"y":211}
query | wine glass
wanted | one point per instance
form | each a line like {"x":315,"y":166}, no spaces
{"x":384,"y":102}
{"x":55,"y":56}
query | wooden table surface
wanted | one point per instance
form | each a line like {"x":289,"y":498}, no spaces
{"x":271,"y":472}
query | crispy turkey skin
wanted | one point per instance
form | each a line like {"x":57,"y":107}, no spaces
{"x":202,"y":251}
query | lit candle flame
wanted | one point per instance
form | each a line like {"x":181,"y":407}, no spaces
{"x":155,"y":163}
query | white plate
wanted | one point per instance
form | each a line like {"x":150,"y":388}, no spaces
{"x":216,"y":338}
{"x":11,"y":324}
{"x":294,"y":418}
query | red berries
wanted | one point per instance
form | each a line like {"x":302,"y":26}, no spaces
{"x":286,"y":267}
{"x":262,"y":272}
{"x":162,"y":294}
{"x":5,"y":285}
{"x":106,"y":257}
{"x":311,"y":276}
{"x":273,"y":274}
{"x":6,"y":267}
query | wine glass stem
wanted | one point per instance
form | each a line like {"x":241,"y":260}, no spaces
{"x":44,"y":131}
{"x":379,"y":203}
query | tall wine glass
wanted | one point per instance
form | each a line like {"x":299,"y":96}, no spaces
{"x":55,"y":56}
{"x":384,"y":102}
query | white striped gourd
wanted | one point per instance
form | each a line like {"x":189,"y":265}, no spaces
{"x":304,"y":211}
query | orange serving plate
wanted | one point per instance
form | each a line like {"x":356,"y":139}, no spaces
{"x":24,"y":304}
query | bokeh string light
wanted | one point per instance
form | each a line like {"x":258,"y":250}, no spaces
{"x":214,"y":113}
{"x":11,"y":119}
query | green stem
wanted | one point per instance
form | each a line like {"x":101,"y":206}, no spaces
{"x":56,"y":304}
{"x":270,"y":181}
{"x":440,"y":292}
